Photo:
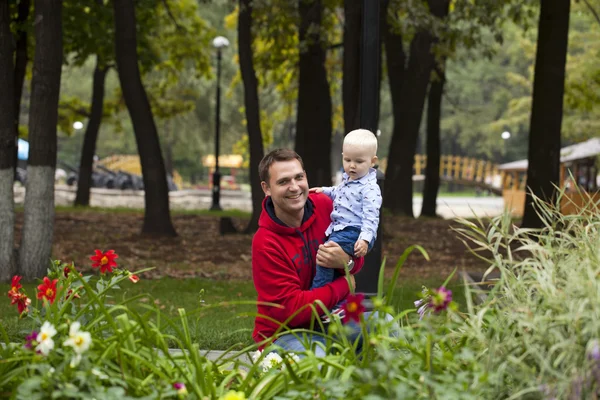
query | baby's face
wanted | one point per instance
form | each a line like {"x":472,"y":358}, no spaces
{"x":357,"y":161}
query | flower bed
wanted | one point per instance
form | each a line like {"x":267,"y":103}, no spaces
{"x":536,"y":335}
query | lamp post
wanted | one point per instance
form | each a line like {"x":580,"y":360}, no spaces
{"x":218,"y":43}
{"x":505,"y":136}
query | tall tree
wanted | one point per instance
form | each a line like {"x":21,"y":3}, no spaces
{"x":21,"y":60}
{"x":84,"y":183}
{"x":157,"y":217}
{"x":38,"y":225}
{"x":7,"y":147}
{"x":252,"y":108}
{"x":547,"y":107}
{"x":313,"y":125}
{"x":408,"y":107}
{"x":434,"y":116}
{"x":351,"y":67}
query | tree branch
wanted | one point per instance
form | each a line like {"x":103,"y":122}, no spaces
{"x":587,"y":3}
{"x":179,"y":27}
{"x":77,"y":110}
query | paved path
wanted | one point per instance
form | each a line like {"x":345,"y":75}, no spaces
{"x":201,"y":199}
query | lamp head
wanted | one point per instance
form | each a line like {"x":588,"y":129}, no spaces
{"x":220,"y":42}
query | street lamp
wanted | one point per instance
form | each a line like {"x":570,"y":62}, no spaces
{"x":218,"y":43}
{"x":505,"y":136}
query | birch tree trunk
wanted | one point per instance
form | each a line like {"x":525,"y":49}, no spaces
{"x":7,"y":147}
{"x":38,"y":226}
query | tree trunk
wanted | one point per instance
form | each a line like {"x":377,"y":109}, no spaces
{"x":157,"y":217}
{"x":547,"y":107}
{"x":398,"y":196}
{"x":7,"y":148}
{"x":432,"y":170}
{"x":38,"y":224}
{"x":169,"y":137}
{"x":252,"y":107}
{"x":351,"y":68}
{"x":313,"y":126}
{"x":84,"y":182}
{"x":21,"y":60}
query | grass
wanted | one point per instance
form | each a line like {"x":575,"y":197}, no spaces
{"x":220,"y":312}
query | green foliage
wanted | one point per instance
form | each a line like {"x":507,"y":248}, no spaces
{"x":535,"y":335}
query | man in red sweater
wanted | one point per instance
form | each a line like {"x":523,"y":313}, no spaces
{"x":289,"y":242}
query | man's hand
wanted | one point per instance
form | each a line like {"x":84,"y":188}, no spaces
{"x":360,"y":248}
{"x":331,"y":255}
{"x":315,"y":190}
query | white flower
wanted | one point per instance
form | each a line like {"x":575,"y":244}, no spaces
{"x":293,"y":357}
{"x":272,"y":360}
{"x":80,"y":341}
{"x":44,"y":338}
{"x":255,"y":355}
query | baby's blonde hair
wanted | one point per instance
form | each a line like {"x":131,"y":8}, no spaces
{"x":363,"y":138}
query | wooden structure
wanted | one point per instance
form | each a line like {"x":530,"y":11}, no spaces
{"x":578,"y":172}
{"x":462,"y":171}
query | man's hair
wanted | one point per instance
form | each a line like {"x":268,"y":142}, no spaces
{"x":363,"y":138}
{"x":273,"y":157}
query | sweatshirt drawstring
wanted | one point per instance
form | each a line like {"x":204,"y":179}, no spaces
{"x":306,"y":245}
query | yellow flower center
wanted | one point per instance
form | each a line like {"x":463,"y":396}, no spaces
{"x":104,"y":260}
{"x":49,"y":293}
{"x":352,"y":307}
{"x":14,"y":289}
{"x":44,"y":336}
{"x":78,"y":341}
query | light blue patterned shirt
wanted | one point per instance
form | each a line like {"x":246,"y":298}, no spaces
{"x":356,"y":203}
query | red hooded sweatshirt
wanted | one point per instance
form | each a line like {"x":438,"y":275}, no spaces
{"x":283,"y":267}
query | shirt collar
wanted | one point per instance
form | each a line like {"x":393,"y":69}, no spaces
{"x":370,"y":176}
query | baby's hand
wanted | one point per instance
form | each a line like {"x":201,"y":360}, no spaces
{"x":315,"y":190}
{"x":360,"y":248}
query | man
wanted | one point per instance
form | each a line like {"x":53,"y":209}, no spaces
{"x":285,"y":249}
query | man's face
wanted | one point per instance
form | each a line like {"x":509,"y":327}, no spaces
{"x":287,"y":186}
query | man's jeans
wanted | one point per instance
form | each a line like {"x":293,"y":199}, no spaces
{"x":317,"y":342}
{"x":346,"y":238}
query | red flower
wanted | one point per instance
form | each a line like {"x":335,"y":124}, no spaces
{"x":106,"y":261}
{"x":134,"y":278}
{"x":47,"y":290}
{"x":353,"y":307}
{"x":66,"y":271}
{"x":72,"y":293}
{"x":15,"y":286}
{"x":21,"y":300}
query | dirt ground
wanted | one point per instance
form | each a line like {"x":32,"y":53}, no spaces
{"x":199,"y":249}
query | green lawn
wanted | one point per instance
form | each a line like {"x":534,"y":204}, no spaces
{"x":217,"y":317}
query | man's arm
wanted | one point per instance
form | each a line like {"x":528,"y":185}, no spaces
{"x":371,"y":204}
{"x":277,"y":281}
{"x":331,"y":255}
